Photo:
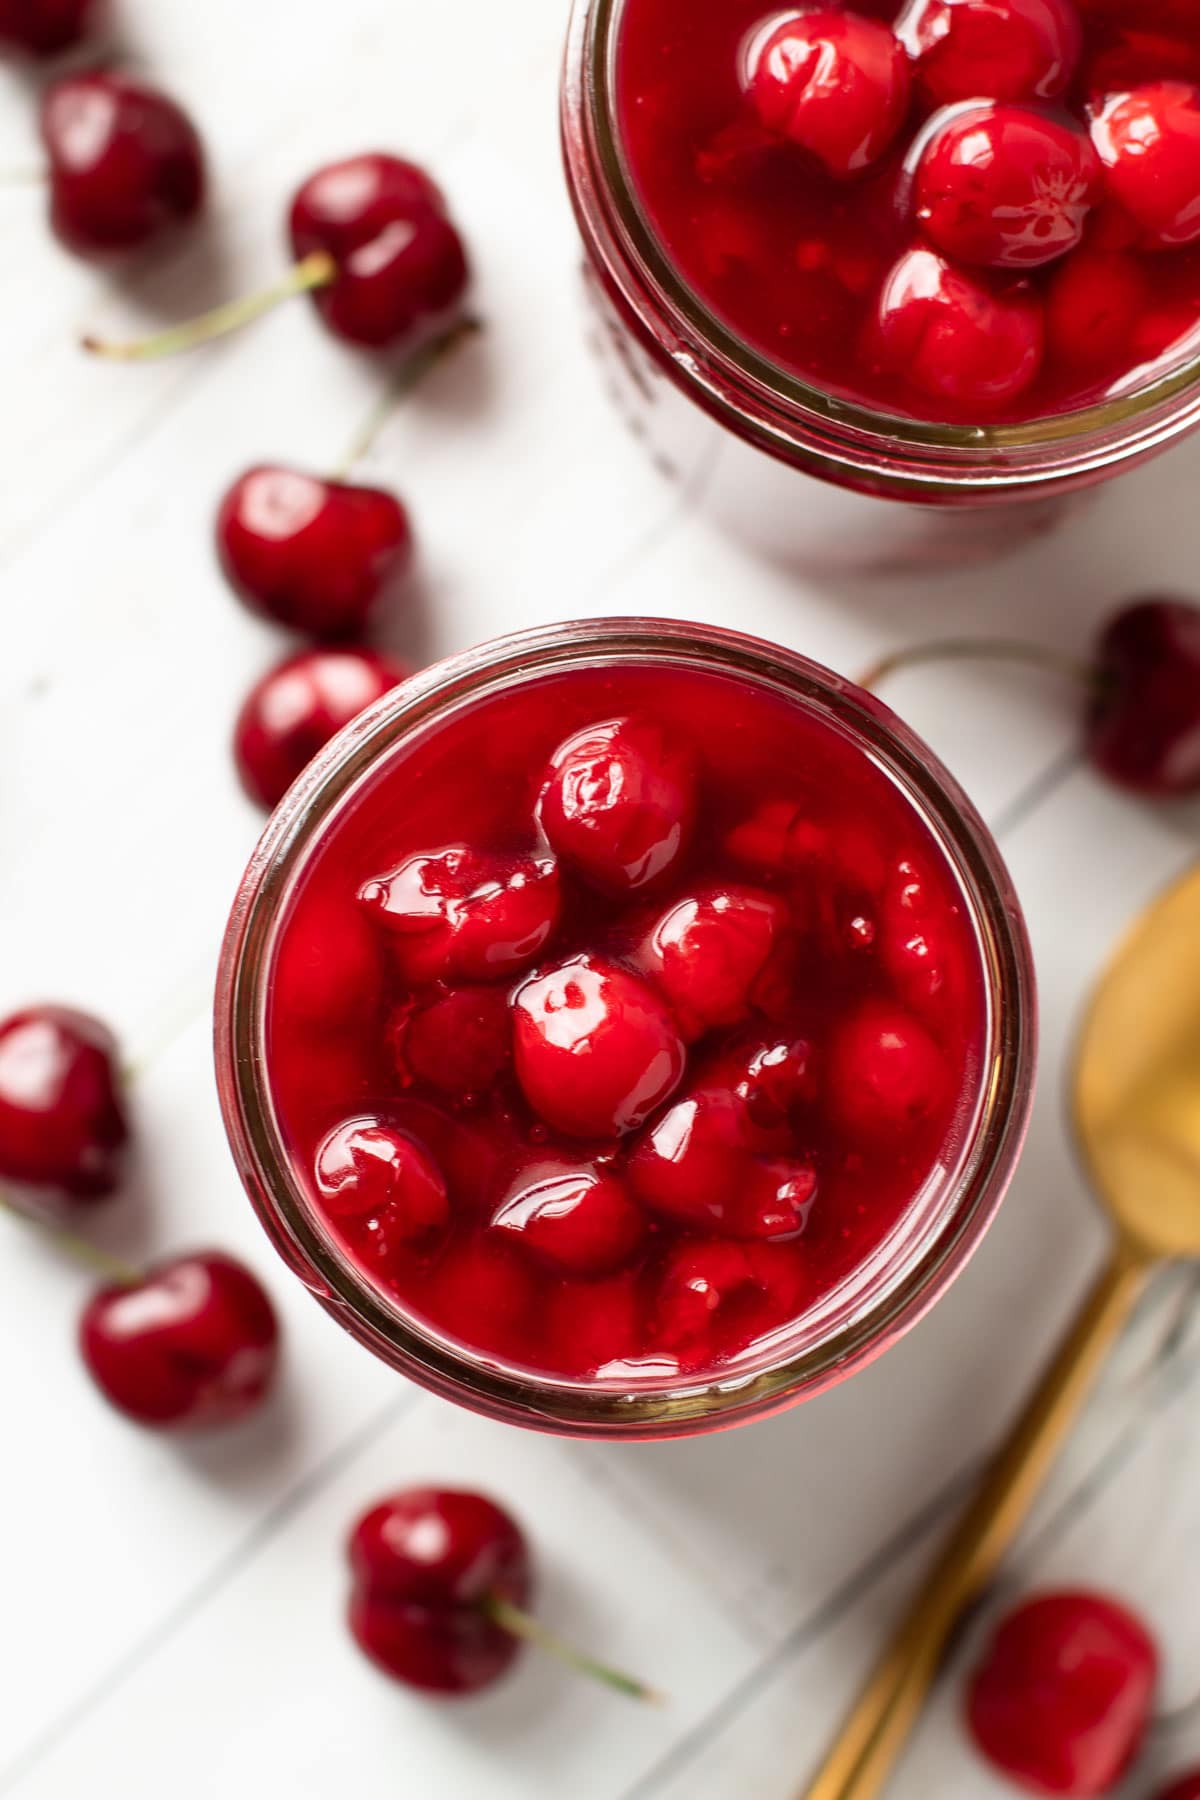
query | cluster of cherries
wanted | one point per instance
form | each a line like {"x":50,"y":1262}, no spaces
{"x":959,"y":208}
{"x":189,"y":1342}
{"x":1062,"y":1699}
{"x":442,"y":1580}
{"x":619,"y":1074}
{"x":375,"y":247}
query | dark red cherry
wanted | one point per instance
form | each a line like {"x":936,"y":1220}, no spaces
{"x":1187,"y":1787}
{"x":465,"y":915}
{"x":956,"y":337}
{"x":706,"y":953}
{"x":1149,"y":144}
{"x":459,"y":1042}
{"x":1005,"y":186}
{"x":697,"y":1165}
{"x":885,"y":1071}
{"x":428,"y":1564}
{"x":699,"y":1283}
{"x":619,"y":803}
{"x":297,"y":707}
{"x":1061,"y":1701}
{"x":995,"y":49}
{"x":596,"y":1049}
{"x":330,"y":964}
{"x":45,"y":26}
{"x":915,"y":937}
{"x":367,"y":1168}
{"x":126,"y":163}
{"x":483,"y":1291}
{"x":193,"y":1343}
{"x":578,"y":1219}
{"x":688,"y":1164}
{"x":401,"y":269}
{"x":1143,"y":730}
{"x":773,"y":1082}
{"x":62,"y":1118}
{"x":1095,"y":303}
{"x":317,"y":556}
{"x":833,"y":83}
{"x":597,"y":1323}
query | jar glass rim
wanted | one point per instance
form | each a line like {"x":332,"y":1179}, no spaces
{"x":777,"y":408}
{"x":620,"y":1406}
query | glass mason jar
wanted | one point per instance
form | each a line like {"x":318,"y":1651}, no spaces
{"x":718,"y":416}
{"x":883,"y":1298}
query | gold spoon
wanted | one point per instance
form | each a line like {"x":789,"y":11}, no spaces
{"x":1137,"y":1118}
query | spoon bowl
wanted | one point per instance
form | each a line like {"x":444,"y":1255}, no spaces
{"x":1137,"y":1080}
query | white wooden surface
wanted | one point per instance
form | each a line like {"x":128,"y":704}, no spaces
{"x":169,"y":1616}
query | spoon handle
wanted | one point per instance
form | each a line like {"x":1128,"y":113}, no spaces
{"x":876,"y":1730}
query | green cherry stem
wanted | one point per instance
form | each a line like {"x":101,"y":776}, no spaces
{"x":410,"y":375}
{"x":314,"y":271}
{"x":1053,"y":662}
{"x":81,"y":1250}
{"x":520,"y":1624}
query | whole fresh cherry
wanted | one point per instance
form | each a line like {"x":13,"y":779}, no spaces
{"x":1005,"y":186}
{"x":953,"y":335}
{"x":1005,"y":49}
{"x":1143,"y":726}
{"x":833,"y":83}
{"x":375,"y":248}
{"x":1061,"y":1700}
{"x":596,"y":1048}
{"x":619,"y":803}
{"x":126,"y":163}
{"x":400,"y":263}
{"x":442,"y":1583}
{"x":45,"y":26}
{"x":62,"y":1118}
{"x":318,"y":556}
{"x":1149,"y":144}
{"x":430,"y":1567}
{"x":191,"y":1343}
{"x":297,"y":707}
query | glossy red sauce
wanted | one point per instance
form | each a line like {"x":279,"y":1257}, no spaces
{"x":806,"y":183}
{"x":621,"y":1017}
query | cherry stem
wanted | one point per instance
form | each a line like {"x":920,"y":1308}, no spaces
{"x":410,"y":376}
{"x":80,"y":1249}
{"x":520,"y":1624}
{"x":315,"y":271}
{"x":1054,"y":662}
